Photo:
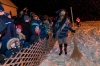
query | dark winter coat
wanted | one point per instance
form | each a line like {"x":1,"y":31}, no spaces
{"x":35,"y":36}
{"x":23,"y":18}
{"x":10,"y":32}
{"x":64,"y":32}
{"x":43,"y":33}
{"x":2,"y":26}
{"x":27,"y":31}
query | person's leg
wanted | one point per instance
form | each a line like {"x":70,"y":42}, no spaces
{"x":60,"y":41}
{"x":65,"y":48}
{"x":60,"y":47}
{"x":3,"y":47}
{"x":65,"y":45}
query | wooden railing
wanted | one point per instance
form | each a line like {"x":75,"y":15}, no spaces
{"x":32,"y":56}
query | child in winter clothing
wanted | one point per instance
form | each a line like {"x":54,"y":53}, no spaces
{"x":46,"y":25}
{"x":35,"y":30}
{"x":13,"y":47}
{"x":43,"y":33}
{"x":10,"y":30}
{"x":45,"y":30}
{"x":20,"y":35}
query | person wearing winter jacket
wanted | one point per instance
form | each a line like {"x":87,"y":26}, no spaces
{"x":46,"y":24}
{"x":10,"y":29}
{"x":61,"y":30}
{"x":35,"y":28}
{"x":78,"y":21}
{"x":20,"y":36}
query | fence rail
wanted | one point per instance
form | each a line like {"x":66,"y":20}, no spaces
{"x":32,"y":56}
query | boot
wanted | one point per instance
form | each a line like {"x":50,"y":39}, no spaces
{"x":65,"y":48}
{"x":60,"y":47}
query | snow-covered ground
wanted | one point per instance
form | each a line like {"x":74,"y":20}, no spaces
{"x":88,"y":41}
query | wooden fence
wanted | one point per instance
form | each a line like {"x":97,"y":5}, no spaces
{"x":32,"y":56}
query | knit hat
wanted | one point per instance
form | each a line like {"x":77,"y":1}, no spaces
{"x":1,"y":8}
{"x":19,"y":26}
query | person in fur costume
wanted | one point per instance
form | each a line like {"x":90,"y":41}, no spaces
{"x":61,"y":29}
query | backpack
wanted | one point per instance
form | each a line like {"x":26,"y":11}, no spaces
{"x":47,"y":26}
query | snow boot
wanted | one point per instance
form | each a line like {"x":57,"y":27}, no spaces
{"x":65,"y":48}
{"x":60,"y":47}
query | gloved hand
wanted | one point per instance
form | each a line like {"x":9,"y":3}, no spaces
{"x":73,"y":31}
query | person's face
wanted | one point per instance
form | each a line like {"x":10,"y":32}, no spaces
{"x":18,"y":30}
{"x":21,"y":12}
{"x":62,"y":13}
{"x":13,"y":45}
{"x":35,"y":18}
{"x":33,"y":14}
{"x":1,"y":13}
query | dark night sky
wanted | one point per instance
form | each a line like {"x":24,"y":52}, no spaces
{"x":86,"y":9}
{"x":41,"y":6}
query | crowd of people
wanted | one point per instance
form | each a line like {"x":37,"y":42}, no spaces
{"x":20,"y":32}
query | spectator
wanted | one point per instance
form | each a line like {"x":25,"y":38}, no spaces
{"x":32,"y":14}
{"x":35,"y":29}
{"x":78,"y":21}
{"x":20,"y":35}
{"x":10,"y":30}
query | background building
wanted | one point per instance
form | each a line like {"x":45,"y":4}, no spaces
{"x":9,"y":7}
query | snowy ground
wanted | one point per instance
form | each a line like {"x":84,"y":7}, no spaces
{"x":88,"y":40}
